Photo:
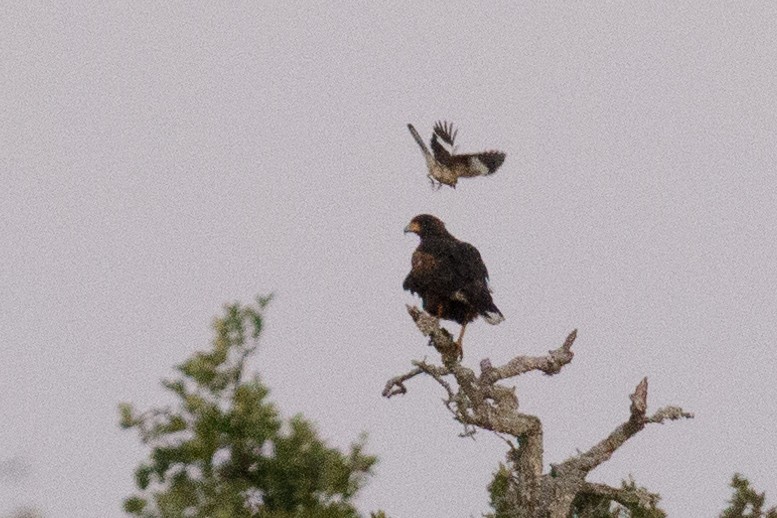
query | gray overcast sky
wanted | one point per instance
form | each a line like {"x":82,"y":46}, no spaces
{"x":159,"y":160}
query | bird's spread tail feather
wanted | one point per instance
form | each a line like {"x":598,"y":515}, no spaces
{"x":418,"y":139}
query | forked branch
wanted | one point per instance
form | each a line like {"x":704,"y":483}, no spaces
{"x":602,"y":451}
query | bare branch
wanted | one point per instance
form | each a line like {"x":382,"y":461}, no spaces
{"x":628,"y":495}
{"x":396,"y":385}
{"x":437,"y":373}
{"x":429,"y":326}
{"x":439,"y":337}
{"x":639,"y":401}
{"x":602,"y":451}
{"x":671,"y":413}
{"x":550,"y":364}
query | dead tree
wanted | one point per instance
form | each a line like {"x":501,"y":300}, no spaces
{"x":481,"y":401}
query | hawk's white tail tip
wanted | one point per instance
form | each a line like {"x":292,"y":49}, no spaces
{"x":493,"y":317}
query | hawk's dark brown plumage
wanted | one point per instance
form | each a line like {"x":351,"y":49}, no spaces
{"x":446,"y":167}
{"x":449,"y":276}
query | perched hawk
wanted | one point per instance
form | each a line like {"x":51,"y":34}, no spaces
{"x":445,"y":166}
{"x":450,"y":276}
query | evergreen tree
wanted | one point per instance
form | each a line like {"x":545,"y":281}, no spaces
{"x":224,"y":451}
{"x":746,"y":502}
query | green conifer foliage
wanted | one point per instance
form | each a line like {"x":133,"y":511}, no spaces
{"x":746,"y":502}
{"x":222,"y":450}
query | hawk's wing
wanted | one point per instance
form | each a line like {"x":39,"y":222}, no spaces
{"x":474,"y":289}
{"x":424,"y":267}
{"x":469,"y":264}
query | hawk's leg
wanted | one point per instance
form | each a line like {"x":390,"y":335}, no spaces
{"x":458,"y":342}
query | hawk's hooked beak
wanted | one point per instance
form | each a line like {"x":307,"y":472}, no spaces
{"x":412,"y":227}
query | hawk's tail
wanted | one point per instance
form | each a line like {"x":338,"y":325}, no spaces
{"x":418,"y":139}
{"x":492,"y":315}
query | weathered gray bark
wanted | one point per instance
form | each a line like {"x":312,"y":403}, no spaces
{"x":480,"y":401}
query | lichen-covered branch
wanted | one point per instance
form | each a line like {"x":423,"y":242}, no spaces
{"x":602,"y":451}
{"x":550,"y":364}
{"x":440,"y":338}
{"x":629,"y":495}
{"x":670,"y":413}
{"x":396,"y":385}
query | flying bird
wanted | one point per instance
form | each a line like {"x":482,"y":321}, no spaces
{"x":445,"y":166}
{"x":450,"y":277}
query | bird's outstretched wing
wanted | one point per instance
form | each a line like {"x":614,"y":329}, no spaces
{"x":445,"y":131}
{"x":441,"y":154}
{"x":484,"y":163}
